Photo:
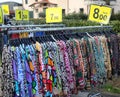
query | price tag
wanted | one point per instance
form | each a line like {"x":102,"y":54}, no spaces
{"x":18,"y":15}
{"x":54,"y":15}
{"x":22,"y":15}
{"x":25,"y":15}
{"x":100,"y":14}
{"x":1,"y":16}
{"x":5,"y":9}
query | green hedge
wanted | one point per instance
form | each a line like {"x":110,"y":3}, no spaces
{"x":116,"y":26}
{"x":76,"y":16}
{"x":73,"y":22}
{"x":115,"y":16}
{"x":70,"y":23}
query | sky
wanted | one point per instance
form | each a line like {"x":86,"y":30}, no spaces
{"x":20,"y":1}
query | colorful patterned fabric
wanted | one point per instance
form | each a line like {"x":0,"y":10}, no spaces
{"x":59,"y":68}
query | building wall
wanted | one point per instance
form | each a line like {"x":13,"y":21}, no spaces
{"x":17,"y":7}
{"x":63,"y":4}
{"x":26,"y":4}
{"x":71,"y":6}
{"x":116,"y":6}
{"x":76,"y":6}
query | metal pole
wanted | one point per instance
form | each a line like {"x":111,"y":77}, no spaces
{"x":58,"y":29}
{"x":24,"y":26}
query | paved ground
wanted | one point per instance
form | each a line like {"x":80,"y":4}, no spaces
{"x":110,"y":95}
{"x":81,"y":94}
{"x":85,"y":94}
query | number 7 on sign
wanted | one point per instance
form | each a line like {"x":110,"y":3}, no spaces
{"x":52,"y":16}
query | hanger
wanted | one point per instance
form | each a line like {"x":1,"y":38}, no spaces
{"x":89,"y":35}
{"x":53,"y":38}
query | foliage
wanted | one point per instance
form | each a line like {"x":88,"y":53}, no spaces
{"x":38,"y":21}
{"x":115,"y":16}
{"x":116,"y":26}
{"x":42,"y":15}
{"x":76,"y":16}
{"x":73,"y":22}
{"x":109,"y":88}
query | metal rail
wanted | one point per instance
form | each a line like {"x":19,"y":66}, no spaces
{"x":25,"y":26}
{"x":59,"y":29}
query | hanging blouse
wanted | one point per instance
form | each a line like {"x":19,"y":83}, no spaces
{"x":59,"y":68}
{"x":7,"y":74}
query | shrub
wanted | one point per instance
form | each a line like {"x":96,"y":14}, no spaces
{"x":42,"y":15}
{"x":116,"y":26}
{"x":76,"y":16}
{"x":73,"y":22}
{"x":38,"y":21}
{"x":115,"y":16}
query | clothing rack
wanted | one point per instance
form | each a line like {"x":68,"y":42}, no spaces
{"x":52,"y":36}
{"x":31,"y":40}
{"x":61,"y":29}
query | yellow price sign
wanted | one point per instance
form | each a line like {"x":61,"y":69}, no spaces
{"x":5,"y":9}
{"x":18,"y":15}
{"x":100,"y":14}
{"x":1,"y":16}
{"x":54,"y":15}
{"x":22,"y":15}
{"x":25,"y":15}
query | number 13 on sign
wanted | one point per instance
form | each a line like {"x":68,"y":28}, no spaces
{"x":100,"y":14}
{"x":22,"y":15}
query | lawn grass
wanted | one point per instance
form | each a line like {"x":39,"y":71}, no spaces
{"x":110,"y":88}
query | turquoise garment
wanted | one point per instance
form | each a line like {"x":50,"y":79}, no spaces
{"x":15,"y":72}
{"x":99,"y":58}
{"x":21,"y":73}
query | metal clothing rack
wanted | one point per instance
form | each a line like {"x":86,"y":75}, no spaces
{"x":60,"y":29}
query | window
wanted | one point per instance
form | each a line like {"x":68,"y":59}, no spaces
{"x":81,"y":10}
{"x":113,"y":11}
{"x":42,"y":15}
{"x":44,"y":10}
{"x":45,"y":4}
{"x":63,"y":11}
{"x":36,"y":10}
{"x":26,"y":1}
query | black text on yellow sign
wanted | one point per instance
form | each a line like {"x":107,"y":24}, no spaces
{"x":54,"y":15}
{"x":22,"y":15}
{"x":5,"y":9}
{"x":25,"y":15}
{"x":1,"y":16}
{"x":100,"y":14}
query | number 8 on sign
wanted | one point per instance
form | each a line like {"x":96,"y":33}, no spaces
{"x":96,"y":13}
{"x":100,"y":14}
